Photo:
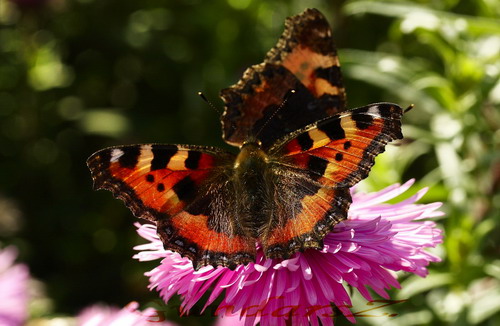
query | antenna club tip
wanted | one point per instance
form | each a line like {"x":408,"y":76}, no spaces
{"x":289,"y":93}
{"x":204,"y":98}
{"x":411,"y":106}
{"x":200,"y":94}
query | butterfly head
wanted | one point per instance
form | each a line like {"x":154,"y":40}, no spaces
{"x":251,"y":154}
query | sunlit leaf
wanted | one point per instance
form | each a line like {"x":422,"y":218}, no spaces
{"x":414,"y":285}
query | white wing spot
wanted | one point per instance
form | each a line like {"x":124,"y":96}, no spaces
{"x":116,"y":154}
{"x":374,"y":110}
{"x":322,"y":33}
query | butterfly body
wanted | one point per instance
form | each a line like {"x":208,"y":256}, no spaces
{"x":252,"y":183}
{"x":289,"y":184}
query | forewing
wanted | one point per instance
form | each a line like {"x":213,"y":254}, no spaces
{"x":339,"y":151}
{"x":185,"y":190}
{"x":317,"y":166}
{"x":304,"y":59}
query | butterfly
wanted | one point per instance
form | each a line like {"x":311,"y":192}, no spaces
{"x":288,"y":185}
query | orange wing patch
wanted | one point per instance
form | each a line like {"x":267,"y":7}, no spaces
{"x":227,"y":248}
{"x":319,"y":213}
{"x":308,"y":66}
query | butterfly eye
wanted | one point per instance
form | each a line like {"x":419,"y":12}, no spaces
{"x":251,"y":141}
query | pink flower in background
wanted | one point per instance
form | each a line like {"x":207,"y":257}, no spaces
{"x":361,"y":252}
{"x":100,"y":315}
{"x":13,"y":289}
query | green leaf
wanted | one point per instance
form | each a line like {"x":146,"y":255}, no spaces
{"x":414,"y":285}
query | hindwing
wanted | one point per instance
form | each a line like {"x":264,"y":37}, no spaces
{"x":304,"y":59}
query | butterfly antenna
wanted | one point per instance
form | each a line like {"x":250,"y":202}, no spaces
{"x":411,"y":106}
{"x":204,"y":98}
{"x":285,"y":99}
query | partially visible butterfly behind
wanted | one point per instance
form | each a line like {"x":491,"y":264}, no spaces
{"x":289,"y":184}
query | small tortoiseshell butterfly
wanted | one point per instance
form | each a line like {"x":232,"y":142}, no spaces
{"x":289,"y":184}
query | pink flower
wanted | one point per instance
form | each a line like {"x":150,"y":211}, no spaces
{"x":13,"y":289}
{"x":361,"y":252}
{"x":100,"y":315}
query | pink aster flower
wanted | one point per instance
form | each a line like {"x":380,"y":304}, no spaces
{"x":13,"y":289}
{"x":362,"y":251}
{"x":100,"y":315}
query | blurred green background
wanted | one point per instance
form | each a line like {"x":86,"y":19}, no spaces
{"x":77,"y":76}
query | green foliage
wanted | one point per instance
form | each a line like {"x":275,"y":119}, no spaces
{"x":446,"y":60}
{"x":76,"y":76}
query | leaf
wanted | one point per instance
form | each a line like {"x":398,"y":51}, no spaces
{"x":414,"y":285}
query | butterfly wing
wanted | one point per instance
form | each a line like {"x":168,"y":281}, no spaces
{"x":185,"y":190}
{"x":304,"y":59}
{"x":316,"y":166}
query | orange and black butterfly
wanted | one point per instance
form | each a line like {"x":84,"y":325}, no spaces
{"x":289,"y":184}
